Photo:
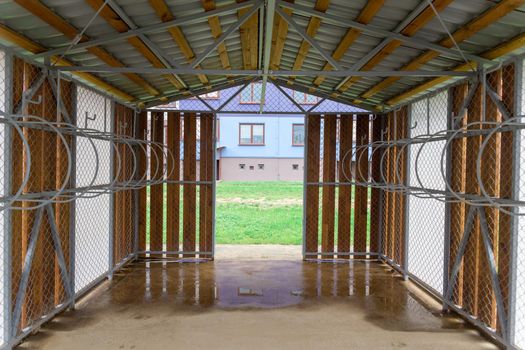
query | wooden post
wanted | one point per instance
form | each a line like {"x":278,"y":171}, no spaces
{"x":190,"y":167}
{"x":473,"y":250}
{"x":173,"y":195}
{"x":375,"y":193}
{"x":156,"y":191}
{"x":345,"y":191}
{"x":457,"y":182}
{"x":329,"y":165}
{"x":313,"y":125}
{"x":142,"y":168}
{"x":361,"y":192}
{"x":206,"y":174}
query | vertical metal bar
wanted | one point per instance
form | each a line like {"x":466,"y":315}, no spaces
{"x":112,"y":196}
{"x":305,"y":165}
{"x":448,"y":207}
{"x":516,"y":154}
{"x":381,"y":200}
{"x":72,"y":206}
{"x":407,"y":195}
{"x":136,"y":193}
{"x":6,"y":244}
{"x":214,"y":185}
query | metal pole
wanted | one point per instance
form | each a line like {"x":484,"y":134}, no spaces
{"x":407,"y":196}
{"x":214,"y":184}
{"x":112,"y":195}
{"x":381,"y":199}
{"x":136,"y":193}
{"x":6,"y":244}
{"x":448,"y":206}
{"x":72,"y":205}
{"x":516,"y":154}
{"x":305,"y":179}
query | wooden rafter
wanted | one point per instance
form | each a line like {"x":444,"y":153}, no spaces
{"x":417,"y":23}
{"x":163,"y":11}
{"x":47,"y":15}
{"x":216,"y":31}
{"x":249,"y":38}
{"x":119,"y":25}
{"x":311,"y":30}
{"x":365,"y":17}
{"x":494,"y":53}
{"x":25,"y":43}
{"x":279,"y":34}
{"x":485,"y":19}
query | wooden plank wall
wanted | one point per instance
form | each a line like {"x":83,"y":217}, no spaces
{"x":393,"y":216}
{"x":190,"y":140}
{"x":473,"y":290}
{"x":335,"y":161}
{"x":48,"y":170}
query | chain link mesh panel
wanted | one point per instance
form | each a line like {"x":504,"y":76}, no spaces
{"x":92,"y":249}
{"x":426,"y":216}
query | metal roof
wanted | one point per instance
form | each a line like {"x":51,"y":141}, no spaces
{"x":335,"y":22}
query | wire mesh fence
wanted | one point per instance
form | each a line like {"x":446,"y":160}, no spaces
{"x":426,"y":216}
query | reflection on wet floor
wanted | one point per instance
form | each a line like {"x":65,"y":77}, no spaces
{"x":368,"y":286}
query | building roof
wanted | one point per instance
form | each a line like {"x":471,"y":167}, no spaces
{"x":379,"y":51}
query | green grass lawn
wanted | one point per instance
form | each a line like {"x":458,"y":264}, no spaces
{"x":257,"y":213}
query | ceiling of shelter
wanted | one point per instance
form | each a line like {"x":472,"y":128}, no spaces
{"x":372,"y":54}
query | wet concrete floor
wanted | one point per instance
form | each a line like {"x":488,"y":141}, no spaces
{"x":256,"y":305}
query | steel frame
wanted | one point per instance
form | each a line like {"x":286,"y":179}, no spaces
{"x":377,"y":31}
{"x":7,"y":231}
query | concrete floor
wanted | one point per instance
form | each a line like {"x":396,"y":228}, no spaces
{"x":256,"y":304}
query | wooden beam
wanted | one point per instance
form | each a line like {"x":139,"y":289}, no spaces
{"x":279,"y":33}
{"x":216,"y":31}
{"x":35,"y":48}
{"x":249,"y":32}
{"x":499,"y":51}
{"x":485,"y":19}
{"x":311,"y":30}
{"x":365,"y":17}
{"x":417,"y":23}
{"x":41,"y":11}
{"x":119,"y":25}
{"x":163,"y":11}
